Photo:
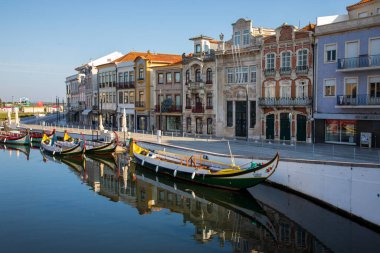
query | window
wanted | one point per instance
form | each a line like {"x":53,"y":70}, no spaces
{"x":197,"y":48}
{"x":177,"y":77}
{"x":187,"y":76}
{"x":121,"y":78}
{"x":363,"y":14}
{"x":120,"y":97}
{"x":374,"y":50}
{"x":302,"y":89}
{"x":374,"y":87}
{"x":114,"y":97}
{"x":245,"y":37}
{"x":270,"y":89}
{"x":340,"y":131}
{"x":245,"y":74}
{"x":285,"y":60}
{"x":253,"y":74}
{"x":351,"y":86}
{"x":285,"y":89}
{"x":131,"y":76}
{"x":330,"y":53}
{"x":209,"y":101}
{"x":131,"y":97}
{"x":269,"y":61}
{"x":125,"y":77}
{"x":173,"y":123}
{"x":125,"y":97}
{"x":188,"y":101}
{"x":252,"y":114}
{"x":177,"y":100}
{"x":237,"y":38}
{"x":302,"y":55}
{"x":230,"y":75}
{"x":329,"y":87}
{"x":209,"y":76}
{"x":352,"y":49}
{"x":209,"y":125}
{"x":169,"y":78}
{"x":229,"y":114}
{"x":141,"y":96}
{"x":141,"y":74}
{"x":198,"y":125}
{"x":188,"y":124}
{"x":198,"y":75}
{"x":378,"y":10}
{"x":160,"y":78}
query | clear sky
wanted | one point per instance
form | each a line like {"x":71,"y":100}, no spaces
{"x":42,"y":41}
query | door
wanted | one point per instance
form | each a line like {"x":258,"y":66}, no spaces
{"x":241,"y":119}
{"x":301,"y":128}
{"x":198,"y":125}
{"x":284,"y":126}
{"x":270,"y":127}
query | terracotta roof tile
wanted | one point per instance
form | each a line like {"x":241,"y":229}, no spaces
{"x":131,"y":56}
{"x":350,"y":7}
{"x":167,"y":58}
{"x":309,"y":27}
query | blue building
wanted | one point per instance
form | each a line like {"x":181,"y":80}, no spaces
{"x":347,"y":76}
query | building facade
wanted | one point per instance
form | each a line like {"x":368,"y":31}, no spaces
{"x":199,"y":89}
{"x":168,"y":97}
{"x":347,"y":100}
{"x":145,"y":87}
{"x":287,"y":80}
{"x":73,"y":83}
{"x":238,"y":64}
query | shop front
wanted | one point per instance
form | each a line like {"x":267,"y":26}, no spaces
{"x":341,"y":131}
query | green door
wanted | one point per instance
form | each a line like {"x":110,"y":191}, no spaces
{"x":241,"y":118}
{"x":270,"y":127}
{"x":284,"y":126}
{"x":301,"y":128}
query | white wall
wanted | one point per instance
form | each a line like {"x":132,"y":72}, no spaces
{"x":352,"y":189}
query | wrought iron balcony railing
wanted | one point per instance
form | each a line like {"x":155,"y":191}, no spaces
{"x":172,"y":108}
{"x":125,"y":85}
{"x":199,"y":108}
{"x":358,"y":100}
{"x":363,"y":61}
{"x":285,"y":101}
{"x":269,"y":72}
{"x":302,"y":69}
{"x":140,"y":104}
{"x":285,"y":70}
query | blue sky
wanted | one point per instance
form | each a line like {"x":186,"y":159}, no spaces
{"x":42,"y":41}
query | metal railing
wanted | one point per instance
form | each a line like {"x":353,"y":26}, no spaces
{"x":198,"y":109}
{"x":363,"y":61}
{"x":302,"y":69}
{"x":172,"y":108}
{"x":361,"y":99}
{"x":285,"y":101}
{"x":285,"y":70}
{"x":196,"y":85}
{"x":269,"y":72}
{"x":140,"y":104}
{"x":125,"y":85}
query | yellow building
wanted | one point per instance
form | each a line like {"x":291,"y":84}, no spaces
{"x":145,"y":86}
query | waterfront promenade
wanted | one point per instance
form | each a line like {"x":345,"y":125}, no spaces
{"x":256,"y":149}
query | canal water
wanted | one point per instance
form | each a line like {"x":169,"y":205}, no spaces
{"x":108,"y":205}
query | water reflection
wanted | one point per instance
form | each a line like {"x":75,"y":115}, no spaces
{"x":234,"y":218}
{"x":17,"y":150}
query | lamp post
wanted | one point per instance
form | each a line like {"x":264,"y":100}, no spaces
{"x":160,"y":104}
{"x":290,"y":121}
{"x":246,"y":121}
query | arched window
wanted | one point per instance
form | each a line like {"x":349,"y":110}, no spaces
{"x":302,"y":88}
{"x":285,"y":89}
{"x":198,"y":75}
{"x":269,"y":61}
{"x":270,"y":89}
{"x":285,"y":59}
{"x":209,"y":76}
{"x":187,"y":76}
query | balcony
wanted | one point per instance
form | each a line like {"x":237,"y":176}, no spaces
{"x":140,"y":104}
{"x":199,"y":108}
{"x":269,"y":72}
{"x":196,"y":85}
{"x":125,"y":85}
{"x":209,"y":107}
{"x":208,"y":81}
{"x":285,"y":70}
{"x":165,"y":109}
{"x":302,"y":69}
{"x":363,"y":62}
{"x":188,"y":107}
{"x":361,"y":100}
{"x":284,"y":101}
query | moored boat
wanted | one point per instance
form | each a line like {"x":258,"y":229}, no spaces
{"x":203,"y":169}
{"x":61,"y":148}
{"x":14,"y":138}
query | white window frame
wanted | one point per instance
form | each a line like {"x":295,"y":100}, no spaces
{"x":245,"y":37}
{"x":244,"y":74}
{"x":345,"y":82}
{"x":237,"y":35}
{"x":268,"y":86}
{"x":288,"y":84}
{"x":282,"y":59}
{"x":369,"y":43}
{"x":345,"y":47}
{"x":378,"y":10}
{"x":325,"y":53}
{"x":368,"y":83}
{"x":364,"y":12}
{"x":253,"y":77}
{"x":306,"y":87}
{"x":307,"y":56}
{"x":232,"y":73}
{"x":324,"y":87}
{"x":274,"y":60}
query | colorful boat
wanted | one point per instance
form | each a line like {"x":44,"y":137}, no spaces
{"x":206,"y":169}
{"x":61,"y":148}
{"x":14,"y":138}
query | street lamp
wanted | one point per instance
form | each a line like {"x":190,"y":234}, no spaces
{"x":290,"y":121}
{"x":160,"y":104}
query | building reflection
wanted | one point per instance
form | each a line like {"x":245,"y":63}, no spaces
{"x":234,"y":218}
{"x":17,"y":150}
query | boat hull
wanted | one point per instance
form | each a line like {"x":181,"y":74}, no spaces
{"x":106,"y":149}
{"x":76,"y":150}
{"x":22,"y":140}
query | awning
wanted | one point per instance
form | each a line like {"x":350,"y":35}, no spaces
{"x":86,"y":112}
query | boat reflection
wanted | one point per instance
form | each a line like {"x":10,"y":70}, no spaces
{"x":234,"y":218}
{"x":17,"y":149}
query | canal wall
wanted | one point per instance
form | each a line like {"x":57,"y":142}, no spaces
{"x":352,"y":188}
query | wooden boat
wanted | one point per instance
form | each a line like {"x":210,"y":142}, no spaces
{"x":36,"y":136}
{"x":14,"y":138}
{"x":210,"y":170}
{"x":61,"y":148}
